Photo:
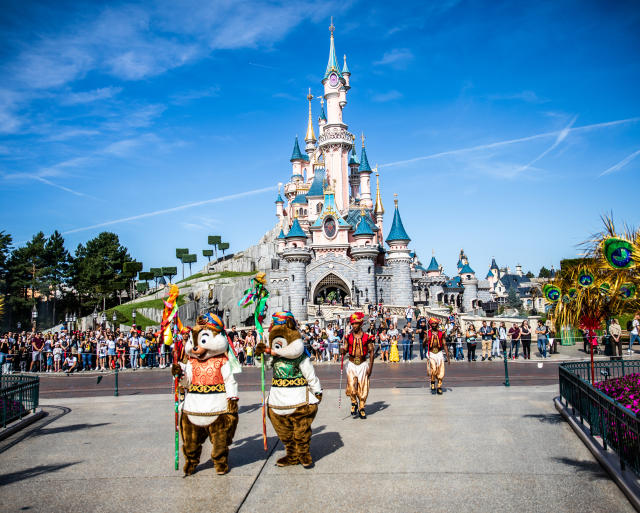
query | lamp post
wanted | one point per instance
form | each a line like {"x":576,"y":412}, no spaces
{"x":74,"y":319}
{"x":67,"y":321}
{"x":94,"y":316}
{"x":216,"y":304}
{"x":34,"y":317}
{"x":133,"y":316}
{"x":227,"y":314}
{"x":104,"y":319}
{"x":506,"y":369}
{"x":114,"y":318}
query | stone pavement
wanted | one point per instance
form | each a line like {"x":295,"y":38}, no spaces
{"x":491,"y":449}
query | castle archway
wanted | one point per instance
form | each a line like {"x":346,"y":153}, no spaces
{"x":331,"y":289}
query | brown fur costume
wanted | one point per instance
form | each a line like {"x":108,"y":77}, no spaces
{"x":210,"y":408}
{"x":295,"y":390}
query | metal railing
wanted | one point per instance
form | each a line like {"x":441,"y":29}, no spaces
{"x":617,"y":425}
{"x":19,"y":396}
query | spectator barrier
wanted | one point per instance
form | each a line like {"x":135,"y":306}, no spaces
{"x":19,"y":396}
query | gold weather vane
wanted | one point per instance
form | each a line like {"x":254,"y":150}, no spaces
{"x":332,"y":27}
{"x":362,"y":138}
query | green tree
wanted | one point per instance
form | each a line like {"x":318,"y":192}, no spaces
{"x":180,"y":252}
{"x":530,"y":274}
{"x":129,"y":271}
{"x":169,"y":272}
{"x":6,"y":243}
{"x":57,"y":268}
{"x":207,"y":253}
{"x":544,"y":273}
{"x":96,"y":266}
{"x":157,"y":274}
{"x":513,"y":301}
{"x":145,"y":276}
{"x":223,"y":246}
{"x":214,"y":240}
{"x":189,"y":259}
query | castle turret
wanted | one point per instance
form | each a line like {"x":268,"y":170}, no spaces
{"x":297,"y":256}
{"x":434,"y":268}
{"x":400,"y":261}
{"x":365,"y":254}
{"x":297,"y":161}
{"x":310,"y":137}
{"x":379,"y":209}
{"x":354,"y":175}
{"x":279,"y":206}
{"x":365,"y":179}
{"x":346,"y":74}
{"x":470,"y":284}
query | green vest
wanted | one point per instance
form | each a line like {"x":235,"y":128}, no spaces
{"x":286,"y":372}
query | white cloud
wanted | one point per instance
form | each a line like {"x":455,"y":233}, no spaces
{"x":195,"y":94}
{"x":525,"y":96}
{"x":621,"y":164}
{"x":397,"y":58}
{"x":386,"y":97}
{"x":102,"y":93}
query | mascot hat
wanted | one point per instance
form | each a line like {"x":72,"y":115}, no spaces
{"x":356,"y":318}
{"x":433,"y":321}
{"x":280,"y":318}
{"x":213,"y":322}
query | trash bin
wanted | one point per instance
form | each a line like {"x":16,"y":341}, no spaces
{"x":608,"y":348}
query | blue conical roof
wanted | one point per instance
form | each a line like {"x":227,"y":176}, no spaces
{"x":397,"y":233}
{"x":281,"y":235}
{"x":493,"y":264}
{"x":322,"y":115}
{"x":296,"y":230}
{"x":364,"y":162}
{"x":300,"y":198}
{"x":489,"y":274}
{"x":296,"y":154}
{"x":332,"y":65}
{"x":317,"y":188}
{"x":363,"y":228}
{"x":433,"y":265}
{"x":353,"y":158}
{"x":279,"y":199}
{"x":345,"y":69}
{"x":466,"y":269}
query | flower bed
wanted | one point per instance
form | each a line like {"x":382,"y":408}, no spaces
{"x":625,"y":390}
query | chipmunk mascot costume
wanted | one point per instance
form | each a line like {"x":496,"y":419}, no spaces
{"x":210,"y":407}
{"x":295,"y":390}
{"x":436,"y":349}
{"x":359,"y":347}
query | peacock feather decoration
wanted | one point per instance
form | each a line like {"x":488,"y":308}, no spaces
{"x":603,"y":283}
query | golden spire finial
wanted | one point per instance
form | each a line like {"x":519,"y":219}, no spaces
{"x":332,"y":27}
{"x":433,"y":252}
{"x":395,"y":199}
{"x":379,"y":209}
{"x":311,"y":136}
{"x":362,"y":138}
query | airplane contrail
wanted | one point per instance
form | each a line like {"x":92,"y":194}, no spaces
{"x":497,"y":144}
{"x":621,"y":164}
{"x":173,"y":209}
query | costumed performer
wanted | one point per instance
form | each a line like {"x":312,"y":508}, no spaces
{"x":295,"y":390}
{"x":210,"y":407}
{"x":359,"y":347}
{"x":435,"y":347}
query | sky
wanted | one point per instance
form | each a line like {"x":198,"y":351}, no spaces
{"x":506,"y":128}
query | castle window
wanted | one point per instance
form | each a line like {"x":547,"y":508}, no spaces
{"x":319,"y":208}
{"x":369,"y":270}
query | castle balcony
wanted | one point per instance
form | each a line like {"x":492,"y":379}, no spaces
{"x":336,"y":136}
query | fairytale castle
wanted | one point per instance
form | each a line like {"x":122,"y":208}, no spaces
{"x":331,"y":246}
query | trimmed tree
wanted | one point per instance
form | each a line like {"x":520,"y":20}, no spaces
{"x":223,"y":246}
{"x":190,"y":259}
{"x":130,"y":270}
{"x":169,"y":272}
{"x":180,"y":252}
{"x":214,"y":240}
{"x":157,"y":274}
{"x":207,"y":253}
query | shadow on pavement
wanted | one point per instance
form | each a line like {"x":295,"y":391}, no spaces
{"x":592,"y":468}
{"x":325,"y":443}
{"x":66,"y":429}
{"x":249,"y":408}
{"x":546,"y":418}
{"x":21,"y":475}
{"x":374,"y":408}
{"x":53,"y":414}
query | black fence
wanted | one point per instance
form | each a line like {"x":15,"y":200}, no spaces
{"x":617,"y":425}
{"x":18,"y":396}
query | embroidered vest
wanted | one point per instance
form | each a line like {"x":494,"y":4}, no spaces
{"x":206,"y":376}
{"x":356,"y":349}
{"x":435,"y":341}
{"x":287,"y":373}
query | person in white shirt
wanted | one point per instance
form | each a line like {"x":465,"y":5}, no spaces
{"x":634,"y":332}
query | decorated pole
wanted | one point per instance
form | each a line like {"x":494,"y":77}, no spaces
{"x":340,"y":389}
{"x":258,"y":295}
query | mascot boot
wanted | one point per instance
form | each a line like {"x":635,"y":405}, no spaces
{"x":210,"y":407}
{"x":295,"y":390}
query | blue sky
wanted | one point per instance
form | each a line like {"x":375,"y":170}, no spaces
{"x":506,"y":129}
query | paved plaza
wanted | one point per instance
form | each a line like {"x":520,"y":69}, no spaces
{"x":473,"y":449}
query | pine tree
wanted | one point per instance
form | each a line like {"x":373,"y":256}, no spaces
{"x":57,"y":266}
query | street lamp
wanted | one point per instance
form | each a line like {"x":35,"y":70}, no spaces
{"x":114,"y":318}
{"x":227,"y":313}
{"x":216,"y":304}
{"x":34,"y":317}
{"x":94,"y":316}
{"x":104,"y":319}
{"x":133,"y":316}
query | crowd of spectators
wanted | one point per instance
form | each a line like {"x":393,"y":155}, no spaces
{"x":104,"y":349}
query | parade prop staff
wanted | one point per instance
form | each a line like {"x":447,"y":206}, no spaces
{"x":435,"y":354}
{"x":258,"y":295}
{"x":359,"y":347}
{"x":295,"y":390}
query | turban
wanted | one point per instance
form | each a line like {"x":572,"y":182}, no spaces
{"x":280,"y":318}
{"x":213,"y":322}
{"x":356,"y":317}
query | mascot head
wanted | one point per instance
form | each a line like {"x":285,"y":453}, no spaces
{"x":284,"y":337}
{"x":207,"y":338}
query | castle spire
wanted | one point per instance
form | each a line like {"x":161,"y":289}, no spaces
{"x":332,"y":65}
{"x":364,"y":161}
{"x":310,"y":138}
{"x":397,"y":233}
{"x":379,"y":209}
